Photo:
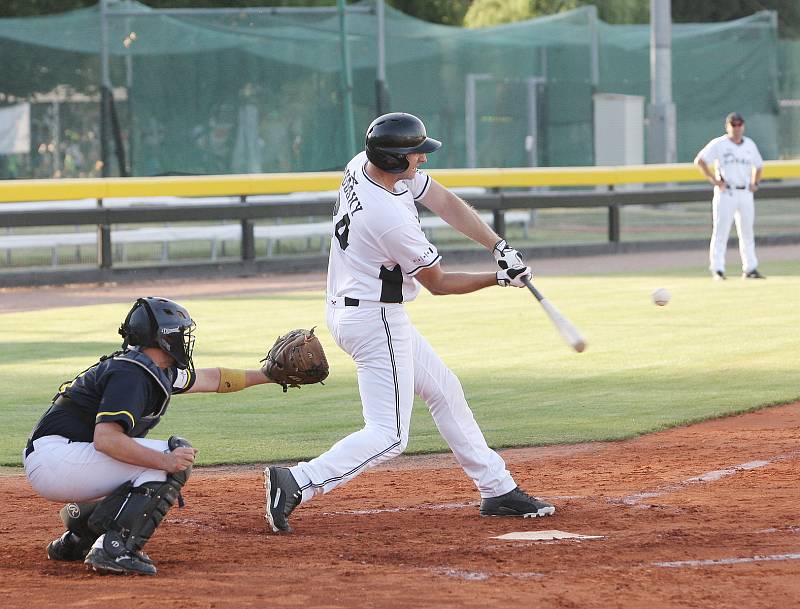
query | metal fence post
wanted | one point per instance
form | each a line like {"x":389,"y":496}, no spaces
{"x":248,"y":240}
{"x":613,"y":223}
{"x":499,"y":215}
{"x":499,"y":221}
{"x":104,"y":255}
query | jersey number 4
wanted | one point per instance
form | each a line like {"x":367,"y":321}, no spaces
{"x":342,"y":231}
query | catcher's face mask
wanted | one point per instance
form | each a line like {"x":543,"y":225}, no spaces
{"x":162,"y":323}
{"x":178,"y":341}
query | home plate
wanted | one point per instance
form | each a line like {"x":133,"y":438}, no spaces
{"x":544,"y":536}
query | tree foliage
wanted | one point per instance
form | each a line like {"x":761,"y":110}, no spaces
{"x":688,"y":11}
{"x":446,"y":12}
{"x":29,"y":8}
{"x":481,"y":13}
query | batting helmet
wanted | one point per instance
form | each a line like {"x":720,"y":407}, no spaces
{"x":392,"y":136}
{"x":162,"y":323}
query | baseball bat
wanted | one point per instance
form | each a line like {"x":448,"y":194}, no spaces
{"x":568,"y":331}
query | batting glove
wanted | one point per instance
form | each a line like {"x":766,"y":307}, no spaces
{"x":505,"y":255}
{"x":513,"y":276}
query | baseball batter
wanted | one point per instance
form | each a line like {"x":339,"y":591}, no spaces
{"x":736,"y":174}
{"x":89,"y":448}
{"x":379,"y":257}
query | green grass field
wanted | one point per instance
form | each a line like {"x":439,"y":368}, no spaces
{"x":716,"y":349}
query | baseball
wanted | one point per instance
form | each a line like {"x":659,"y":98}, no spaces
{"x":661,"y":297}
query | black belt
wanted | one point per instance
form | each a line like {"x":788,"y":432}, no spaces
{"x":740,"y":187}
{"x":354,"y":302}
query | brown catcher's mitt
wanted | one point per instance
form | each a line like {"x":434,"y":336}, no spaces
{"x":295,"y":359}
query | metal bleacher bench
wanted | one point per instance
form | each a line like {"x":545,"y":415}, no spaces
{"x":215,"y":234}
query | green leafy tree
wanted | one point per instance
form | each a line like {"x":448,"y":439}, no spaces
{"x":483,"y":13}
{"x":28,"y":8}
{"x":446,"y":12}
{"x":689,"y":11}
{"x":492,"y":12}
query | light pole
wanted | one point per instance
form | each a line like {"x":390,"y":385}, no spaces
{"x":661,"y":141}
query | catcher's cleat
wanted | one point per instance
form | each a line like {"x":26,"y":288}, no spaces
{"x":283,"y":495}
{"x":128,"y":563}
{"x":68,"y":547}
{"x":516,"y":503}
{"x":754,"y":274}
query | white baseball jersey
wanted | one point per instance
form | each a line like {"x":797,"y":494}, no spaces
{"x":377,"y":248}
{"x":378,"y":245}
{"x":734,"y":162}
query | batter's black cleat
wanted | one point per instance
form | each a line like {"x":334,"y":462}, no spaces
{"x":128,"y":563}
{"x":283,"y":495}
{"x":754,"y":274}
{"x":68,"y":547}
{"x":516,"y":503}
{"x":718,"y":276}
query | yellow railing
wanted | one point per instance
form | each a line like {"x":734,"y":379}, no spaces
{"x":280,"y":183}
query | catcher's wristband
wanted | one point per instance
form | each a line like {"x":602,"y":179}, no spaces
{"x":231,"y":379}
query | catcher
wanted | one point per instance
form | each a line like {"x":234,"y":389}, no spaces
{"x":89,"y":448}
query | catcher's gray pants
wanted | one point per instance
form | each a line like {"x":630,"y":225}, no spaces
{"x":393,"y":363}
{"x":61,"y":470}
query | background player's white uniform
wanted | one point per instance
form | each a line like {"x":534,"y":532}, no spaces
{"x":377,"y":248}
{"x":734,"y":163}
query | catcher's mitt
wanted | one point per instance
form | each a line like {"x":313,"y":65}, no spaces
{"x":295,"y":359}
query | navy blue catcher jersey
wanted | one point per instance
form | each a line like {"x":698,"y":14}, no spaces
{"x":125,"y":388}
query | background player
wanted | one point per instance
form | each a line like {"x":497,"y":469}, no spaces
{"x":90,"y":443}
{"x":736,"y":175}
{"x":379,"y":257}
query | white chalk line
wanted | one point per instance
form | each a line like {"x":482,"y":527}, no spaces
{"x":711,"y":476}
{"x":479,"y":575}
{"x":429,"y":506}
{"x":413,"y":508}
{"x":632,"y":500}
{"x":727,"y":561}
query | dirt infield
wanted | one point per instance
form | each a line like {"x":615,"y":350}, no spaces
{"x":701,"y":516}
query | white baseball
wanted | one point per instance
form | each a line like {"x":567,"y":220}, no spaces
{"x":661,"y":296}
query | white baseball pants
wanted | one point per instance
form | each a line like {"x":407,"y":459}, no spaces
{"x":394,"y":362}
{"x":60,"y":470}
{"x":727,"y":206}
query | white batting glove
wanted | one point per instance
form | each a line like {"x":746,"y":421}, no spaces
{"x":513,"y":276}
{"x":505,"y":255}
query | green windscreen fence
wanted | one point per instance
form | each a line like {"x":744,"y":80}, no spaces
{"x":245,"y":92}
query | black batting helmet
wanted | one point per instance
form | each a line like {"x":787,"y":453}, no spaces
{"x":392,"y":136}
{"x":162,"y":323}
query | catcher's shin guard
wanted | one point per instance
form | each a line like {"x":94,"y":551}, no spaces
{"x":79,"y":537}
{"x":75,"y":517}
{"x":131,"y":514}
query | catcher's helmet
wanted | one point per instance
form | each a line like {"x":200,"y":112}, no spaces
{"x":392,"y":136}
{"x":162,"y":323}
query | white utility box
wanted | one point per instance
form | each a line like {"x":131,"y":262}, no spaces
{"x":618,"y":129}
